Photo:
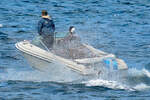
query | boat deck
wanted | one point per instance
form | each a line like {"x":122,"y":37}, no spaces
{"x":73,"y":51}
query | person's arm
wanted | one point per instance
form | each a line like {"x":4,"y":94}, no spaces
{"x":40,"y":26}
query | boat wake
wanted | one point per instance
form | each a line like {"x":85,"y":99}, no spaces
{"x":107,"y":83}
{"x":15,"y":75}
{"x":36,"y":76}
{"x":135,"y":80}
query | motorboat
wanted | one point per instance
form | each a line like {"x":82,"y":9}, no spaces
{"x":77,"y":62}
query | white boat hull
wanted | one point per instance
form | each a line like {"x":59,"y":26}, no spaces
{"x":58,"y":68}
{"x":55,"y":70}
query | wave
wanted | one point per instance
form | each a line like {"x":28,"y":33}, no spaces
{"x":108,"y":84}
{"x":141,"y":87}
{"x":33,"y":75}
{"x":116,"y":85}
{"x":146,"y":72}
{"x":135,"y":80}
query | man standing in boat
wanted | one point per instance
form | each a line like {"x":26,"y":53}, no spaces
{"x":46,"y":29}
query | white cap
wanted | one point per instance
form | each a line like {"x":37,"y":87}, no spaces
{"x":73,"y":29}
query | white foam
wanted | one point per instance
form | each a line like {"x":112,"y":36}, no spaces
{"x":146,"y":72}
{"x":141,"y":86}
{"x":1,"y":25}
{"x":106,"y":83}
{"x":119,"y":84}
{"x":38,"y":76}
{"x":24,"y":76}
{"x":35,"y":76}
{"x":135,"y":72}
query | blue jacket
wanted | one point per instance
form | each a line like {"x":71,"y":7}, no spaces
{"x":46,"y":27}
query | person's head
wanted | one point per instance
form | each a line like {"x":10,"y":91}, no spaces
{"x":71,"y":29}
{"x":44,"y":13}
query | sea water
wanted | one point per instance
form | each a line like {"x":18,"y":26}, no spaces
{"x":121,"y":27}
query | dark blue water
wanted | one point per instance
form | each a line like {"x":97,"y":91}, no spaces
{"x":121,"y":27}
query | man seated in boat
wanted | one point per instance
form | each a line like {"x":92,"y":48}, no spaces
{"x":72,"y":36}
{"x":46,"y":29}
{"x":70,"y":46}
